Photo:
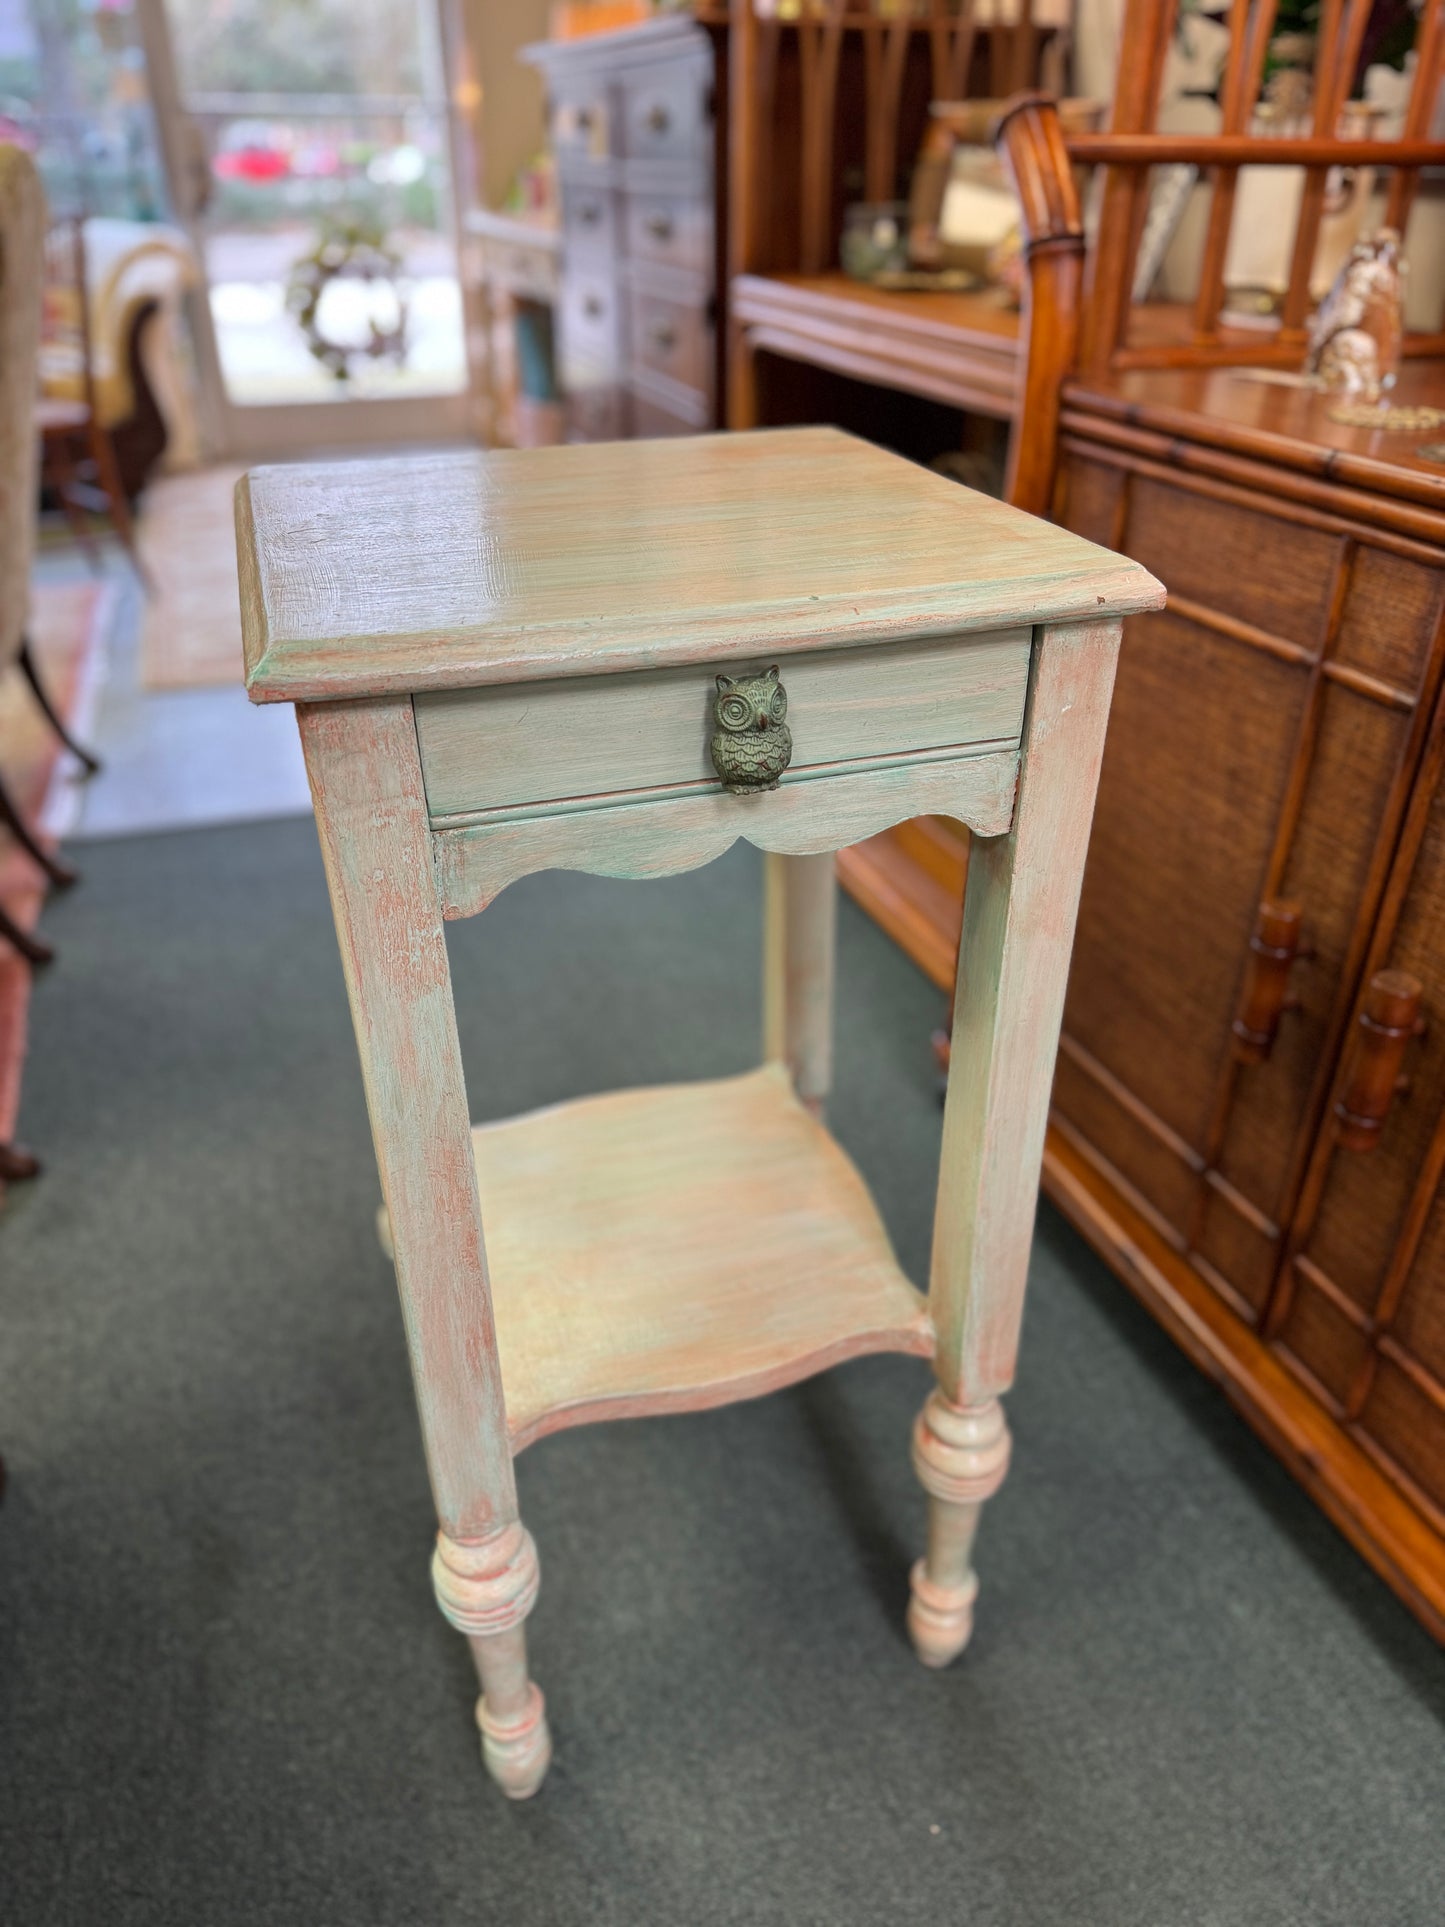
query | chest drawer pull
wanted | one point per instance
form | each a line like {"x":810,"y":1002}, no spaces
{"x":1389,"y":1019}
{"x":751,"y":743}
{"x":659,"y":226}
{"x":1274,"y":949}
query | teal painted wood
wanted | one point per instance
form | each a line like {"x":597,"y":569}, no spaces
{"x":627,"y":837}
{"x":1018,"y":930}
{"x":527,"y":744}
{"x":451,"y":571}
{"x":371,"y":813}
{"x":800,"y":921}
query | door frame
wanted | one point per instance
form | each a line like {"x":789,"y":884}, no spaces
{"x":243,"y":429}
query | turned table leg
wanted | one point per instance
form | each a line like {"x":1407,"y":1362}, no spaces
{"x":486,"y":1590}
{"x":960,"y":1454}
{"x":1018,"y":930}
{"x":800,"y":918}
{"x":366,"y":781}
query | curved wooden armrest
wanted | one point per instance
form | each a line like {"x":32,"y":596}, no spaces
{"x":1030,"y":139}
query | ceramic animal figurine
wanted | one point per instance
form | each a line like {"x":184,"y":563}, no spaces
{"x":751,"y":744}
{"x":1354,"y":343}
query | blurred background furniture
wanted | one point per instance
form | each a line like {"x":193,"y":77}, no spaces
{"x":636,"y":127}
{"x":1249,"y":1110}
{"x":78,"y":462}
{"x":831,"y":106}
{"x":516,"y":265}
{"x":138,"y":276}
{"x":22,"y":250}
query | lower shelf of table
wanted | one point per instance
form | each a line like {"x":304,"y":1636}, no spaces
{"x":679,"y":1247}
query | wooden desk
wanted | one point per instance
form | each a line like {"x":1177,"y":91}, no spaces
{"x":550,"y":659}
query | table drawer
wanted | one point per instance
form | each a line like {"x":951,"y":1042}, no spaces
{"x":591,"y":329}
{"x":667,"y":112}
{"x":671,"y":337}
{"x":597,"y":413}
{"x":673,"y":230}
{"x":589,"y":220}
{"x":549,"y":746}
{"x":660,"y":408}
{"x":580,"y":121}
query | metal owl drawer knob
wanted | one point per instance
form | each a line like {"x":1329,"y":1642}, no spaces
{"x":751,"y":743}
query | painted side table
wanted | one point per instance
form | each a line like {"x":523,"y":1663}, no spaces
{"x":619,"y":659}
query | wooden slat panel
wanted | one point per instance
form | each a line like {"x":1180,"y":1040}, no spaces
{"x":1182,"y":833}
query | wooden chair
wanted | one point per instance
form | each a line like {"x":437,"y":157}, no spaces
{"x":78,"y":458}
{"x":22,"y":251}
{"x":832,"y":107}
{"x":22,"y":222}
{"x":1080,"y":322}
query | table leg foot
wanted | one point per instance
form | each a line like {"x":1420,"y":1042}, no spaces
{"x":486,"y":1588}
{"x":960,"y":1453}
{"x":516,"y":1749}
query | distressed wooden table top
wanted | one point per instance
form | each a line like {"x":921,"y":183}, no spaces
{"x":377,"y":577}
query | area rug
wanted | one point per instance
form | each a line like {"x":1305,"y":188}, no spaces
{"x":191,"y":629}
{"x":227,"y":1698}
{"x":69,"y":624}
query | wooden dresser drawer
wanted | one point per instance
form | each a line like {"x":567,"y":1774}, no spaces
{"x":596,"y":413}
{"x":589,"y":220}
{"x":581,"y":120}
{"x":662,"y":408}
{"x":666,"y":112}
{"x":541,"y":746}
{"x":674,"y":230}
{"x":591,"y":328}
{"x":670,"y":336}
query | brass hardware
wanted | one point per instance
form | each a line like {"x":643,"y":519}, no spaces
{"x":659,"y":226}
{"x":751,"y":743}
{"x":658,"y":119}
{"x":1389,"y":1018}
{"x":663,"y":338}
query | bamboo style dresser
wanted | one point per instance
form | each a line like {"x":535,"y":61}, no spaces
{"x":620,"y":659}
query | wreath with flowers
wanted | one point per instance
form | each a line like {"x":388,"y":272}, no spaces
{"x":350,"y":248}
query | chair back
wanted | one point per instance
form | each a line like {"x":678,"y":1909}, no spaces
{"x":1102,"y":322}
{"x":67,"y":356}
{"x":22,"y":242}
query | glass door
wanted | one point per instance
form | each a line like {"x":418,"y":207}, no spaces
{"x":308,"y":151}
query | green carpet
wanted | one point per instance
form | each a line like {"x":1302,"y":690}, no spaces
{"x":226,"y":1693}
